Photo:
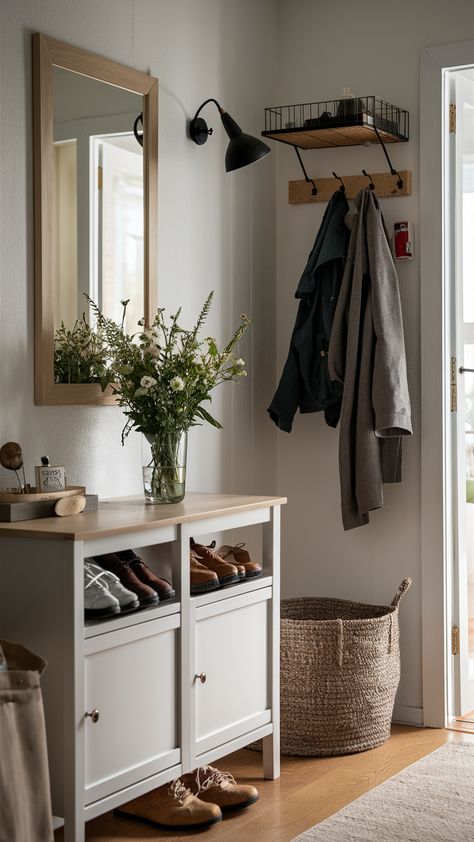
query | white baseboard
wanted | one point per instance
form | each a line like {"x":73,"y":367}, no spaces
{"x":408,"y":715}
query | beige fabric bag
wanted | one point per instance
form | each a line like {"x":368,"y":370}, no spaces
{"x":25,"y":801}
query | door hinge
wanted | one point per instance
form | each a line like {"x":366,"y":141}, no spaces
{"x":453,"y":387}
{"x":452,"y":118}
{"x":455,"y":640}
{"x":99,"y":178}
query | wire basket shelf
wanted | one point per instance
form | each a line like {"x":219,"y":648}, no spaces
{"x":337,"y":122}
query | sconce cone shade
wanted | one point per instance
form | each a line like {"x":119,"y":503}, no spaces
{"x":243,"y":148}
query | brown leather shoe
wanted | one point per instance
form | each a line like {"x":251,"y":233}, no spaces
{"x":221,"y":788}
{"x":237,"y":555}
{"x":202,"y":579}
{"x":226,"y":573}
{"x":240,"y":567}
{"x":146,"y":595}
{"x":171,"y":806}
{"x":163,"y":588}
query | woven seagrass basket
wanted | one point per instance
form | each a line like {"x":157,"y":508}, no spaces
{"x":340,"y":668}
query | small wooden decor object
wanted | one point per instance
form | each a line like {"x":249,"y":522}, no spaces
{"x":299,"y":192}
{"x":70,"y":505}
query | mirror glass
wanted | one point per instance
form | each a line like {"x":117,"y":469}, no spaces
{"x":98,"y":200}
{"x":95,"y":150}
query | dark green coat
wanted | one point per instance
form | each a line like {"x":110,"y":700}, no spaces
{"x":305,"y":383}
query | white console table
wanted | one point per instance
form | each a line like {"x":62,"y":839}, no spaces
{"x":176,"y":686}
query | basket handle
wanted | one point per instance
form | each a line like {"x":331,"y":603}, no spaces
{"x":402,"y":589}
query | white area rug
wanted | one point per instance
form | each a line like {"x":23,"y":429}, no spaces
{"x":431,"y":801}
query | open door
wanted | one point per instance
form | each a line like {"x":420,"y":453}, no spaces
{"x":462,"y":263}
{"x":117,"y":270}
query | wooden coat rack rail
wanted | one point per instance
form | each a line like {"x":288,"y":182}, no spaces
{"x":385,"y":186}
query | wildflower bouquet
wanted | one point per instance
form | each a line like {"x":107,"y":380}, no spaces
{"x":162,"y":377}
{"x":80,"y":355}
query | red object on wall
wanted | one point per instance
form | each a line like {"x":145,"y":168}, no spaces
{"x":402,"y":241}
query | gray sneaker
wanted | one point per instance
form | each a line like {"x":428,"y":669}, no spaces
{"x":127,"y":600}
{"x":98,"y":601}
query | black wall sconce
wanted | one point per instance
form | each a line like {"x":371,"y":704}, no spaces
{"x":136,"y":132}
{"x":243,"y":148}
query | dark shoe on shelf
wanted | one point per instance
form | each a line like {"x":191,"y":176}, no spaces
{"x":211,"y":785}
{"x":163,"y":588}
{"x":226,"y":573}
{"x":171,"y":806}
{"x":146,"y":595}
{"x":202,"y":579}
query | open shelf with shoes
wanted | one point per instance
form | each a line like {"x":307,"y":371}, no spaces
{"x":147,"y":695}
{"x":94,"y":627}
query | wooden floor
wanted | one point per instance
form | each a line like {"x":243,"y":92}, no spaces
{"x":309,"y":790}
{"x":463,"y":723}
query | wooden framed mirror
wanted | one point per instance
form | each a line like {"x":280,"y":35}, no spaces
{"x":95,"y":178}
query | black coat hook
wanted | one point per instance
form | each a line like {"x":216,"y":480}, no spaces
{"x":371,"y":183}
{"x":342,"y":188}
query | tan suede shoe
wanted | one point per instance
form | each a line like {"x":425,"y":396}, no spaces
{"x":226,"y":573}
{"x":240,"y":567}
{"x":202,"y":579}
{"x":171,"y":806}
{"x":221,"y":788}
{"x":237,"y":555}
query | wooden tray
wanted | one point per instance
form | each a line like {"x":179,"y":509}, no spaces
{"x":14,"y":512}
{"x":39,"y":496}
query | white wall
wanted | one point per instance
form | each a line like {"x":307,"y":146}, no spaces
{"x":373,"y":47}
{"x":216,"y":231}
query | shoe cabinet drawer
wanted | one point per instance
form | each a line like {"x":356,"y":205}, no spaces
{"x":231,"y":668}
{"x":131,"y":704}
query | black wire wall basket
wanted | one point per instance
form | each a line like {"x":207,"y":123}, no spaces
{"x":338,"y":122}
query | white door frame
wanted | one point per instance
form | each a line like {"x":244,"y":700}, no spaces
{"x":436,"y":527}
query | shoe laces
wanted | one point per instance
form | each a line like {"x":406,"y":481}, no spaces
{"x":209,"y":776}
{"x":203,"y":552}
{"x":231,"y":550}
{"x":178,"y":790}
{"x":133,"y":563}
{"x":94,"y":579}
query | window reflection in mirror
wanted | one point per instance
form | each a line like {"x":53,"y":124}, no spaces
{"x":98,"y":200}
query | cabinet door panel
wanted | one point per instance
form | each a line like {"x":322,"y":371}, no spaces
{"x":134,"y":688}
{"x":231,"y":648}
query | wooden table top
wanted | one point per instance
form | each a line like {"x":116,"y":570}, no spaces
{"x":121,"y":514}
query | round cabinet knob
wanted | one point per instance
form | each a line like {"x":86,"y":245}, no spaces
{"x":202,"y":677}
{"x":94,"y":715}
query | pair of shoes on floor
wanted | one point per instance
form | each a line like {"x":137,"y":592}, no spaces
{"x":211,"y":569}
{"x":133,"y":575}
{"x":197,"y":799}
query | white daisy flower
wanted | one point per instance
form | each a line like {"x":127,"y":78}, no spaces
{"x":177,"y":384}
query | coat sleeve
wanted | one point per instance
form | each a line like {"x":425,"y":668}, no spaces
{"x":338,"y":338}
{"x":390,"y":396}
{"x":287,"y":396}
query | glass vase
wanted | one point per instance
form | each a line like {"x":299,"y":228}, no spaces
{"x":164,"y":477}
